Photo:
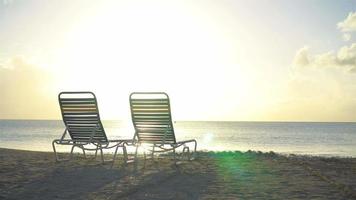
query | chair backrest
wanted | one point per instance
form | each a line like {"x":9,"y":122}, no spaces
{"x":81,"y":117}
{"x":151,"y":117}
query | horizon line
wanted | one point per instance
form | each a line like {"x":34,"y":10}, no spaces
{"x":267,"y":121}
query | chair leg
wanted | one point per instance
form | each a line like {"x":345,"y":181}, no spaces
{"x":83,"y":151}
{"x":71,"y":152}
{"x":57,"y":159}
{"x":136,"y":153}
{"x":55,"y":152}
{"x":186,"y":151}
{"x":96,"y":153}
{"x":195,"y":150}
{"x":135,"y":158}
{"x":124,"y":151}
{"x":174,"y":155}
{"x":153,"y":151}
{"x":114,"y":157}
{"x":102,"y":155}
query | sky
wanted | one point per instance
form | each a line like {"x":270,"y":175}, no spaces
{"x":225,"y":60}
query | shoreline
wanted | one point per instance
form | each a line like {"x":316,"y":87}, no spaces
{"x":286,"y":154}
{"x":246,"y":175}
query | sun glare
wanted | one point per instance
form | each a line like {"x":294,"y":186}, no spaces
{"x":134,"y":48}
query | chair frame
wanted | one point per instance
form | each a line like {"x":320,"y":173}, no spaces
{"x":82,"y":144}
{"x":162,"y":146}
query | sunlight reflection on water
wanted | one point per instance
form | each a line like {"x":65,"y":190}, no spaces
{"x":326,"y":139}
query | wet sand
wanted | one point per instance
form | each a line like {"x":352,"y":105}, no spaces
{"x":212,"y":175}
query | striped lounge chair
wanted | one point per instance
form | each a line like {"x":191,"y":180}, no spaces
{"x":152,"y":120}
{"x":82,"y":122}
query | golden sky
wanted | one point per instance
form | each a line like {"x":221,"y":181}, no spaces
{"x":218,"y":60}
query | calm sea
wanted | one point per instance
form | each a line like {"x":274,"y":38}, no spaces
{"x":313,"y":138}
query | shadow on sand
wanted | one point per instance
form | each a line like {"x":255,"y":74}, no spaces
{"x":79,"y":180}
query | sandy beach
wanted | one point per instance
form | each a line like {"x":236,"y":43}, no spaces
{"x":213,"y":175}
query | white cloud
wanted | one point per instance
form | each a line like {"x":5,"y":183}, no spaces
{"x":347,"y":56}
{"x":346,"y":37}
{"x":328,"y":59}
{"x":301,"y":58}
{"x":344,"y":58}
{"x":349,"y":24}
{"x":327,"y":94}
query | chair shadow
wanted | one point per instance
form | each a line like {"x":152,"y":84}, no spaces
{"x":154,"y":180}
{"x":164,"y":179}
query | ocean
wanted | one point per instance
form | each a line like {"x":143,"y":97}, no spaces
{"x":307,"y":138}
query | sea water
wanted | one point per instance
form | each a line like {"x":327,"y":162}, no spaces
{"x":312,"y":138}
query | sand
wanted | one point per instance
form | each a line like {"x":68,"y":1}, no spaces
{"x":219,"y":175}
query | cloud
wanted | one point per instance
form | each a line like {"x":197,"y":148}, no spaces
{"x":345,"y":58}
{"x":26,"y":90}
{"x":346,"y":37}
{"x":323,"y":95}
{"x":302,"y":58}
{"x":349,"y":24}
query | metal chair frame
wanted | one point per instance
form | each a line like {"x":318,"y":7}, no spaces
{"x":98,"y":144}
{"x":162,"y":145}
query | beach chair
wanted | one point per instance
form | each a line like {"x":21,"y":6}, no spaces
{"x":82,"y":122}
{"x":151,"y":118}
